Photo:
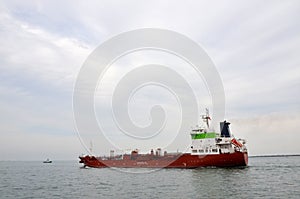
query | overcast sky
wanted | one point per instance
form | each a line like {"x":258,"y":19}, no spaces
{"x":255,"y":46}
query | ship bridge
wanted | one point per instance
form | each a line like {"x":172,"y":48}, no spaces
{"x":206,"y":141}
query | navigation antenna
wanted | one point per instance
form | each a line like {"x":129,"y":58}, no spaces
{"x":206,"y":117}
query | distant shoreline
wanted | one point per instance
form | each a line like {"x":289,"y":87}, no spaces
{"x":258,"y":156}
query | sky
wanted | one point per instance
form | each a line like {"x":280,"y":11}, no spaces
{"x":254,"y":45}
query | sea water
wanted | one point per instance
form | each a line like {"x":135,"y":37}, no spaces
{"x":265,"y":177}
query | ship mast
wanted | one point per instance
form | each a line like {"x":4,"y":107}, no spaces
{"x":206,"y":117}
{"x":91,"y":146}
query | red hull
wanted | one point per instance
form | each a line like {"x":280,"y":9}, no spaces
{"x":185,"y":160}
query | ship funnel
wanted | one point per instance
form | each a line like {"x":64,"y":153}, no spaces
{"x":224,"y":128}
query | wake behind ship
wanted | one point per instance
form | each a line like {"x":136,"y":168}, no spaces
{"x":207,"y":149}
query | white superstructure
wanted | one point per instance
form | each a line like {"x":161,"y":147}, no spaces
{"x":207,"y":141}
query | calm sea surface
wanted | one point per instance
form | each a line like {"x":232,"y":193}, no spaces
{"x":266,"y":177}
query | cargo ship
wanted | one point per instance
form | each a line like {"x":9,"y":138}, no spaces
{"x":207,"y":149}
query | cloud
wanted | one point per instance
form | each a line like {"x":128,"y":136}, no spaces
{"x":254,"y":44}
{"x":274,"y":133}
{"x":31,"y":50}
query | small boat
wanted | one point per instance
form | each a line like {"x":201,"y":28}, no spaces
{"x":47,"y":161}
